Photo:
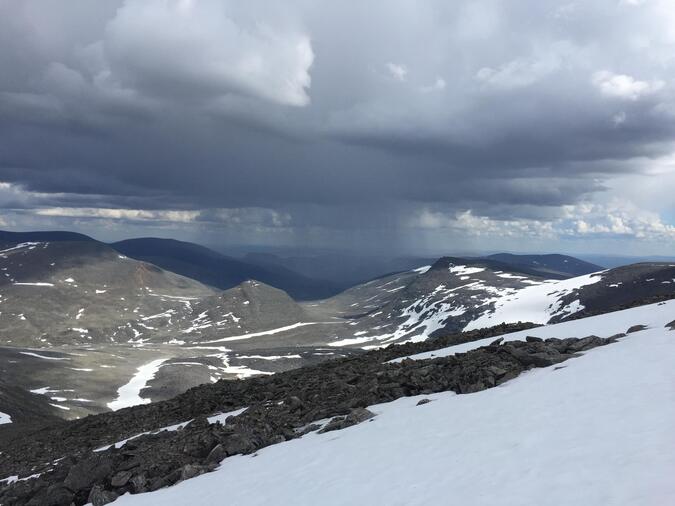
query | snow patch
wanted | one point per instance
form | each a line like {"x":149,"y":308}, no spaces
{"x":266,"y":332}
{"x":129,"y":394}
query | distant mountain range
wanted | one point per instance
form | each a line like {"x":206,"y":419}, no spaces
{"x":220,"y":271}
{"x":551,"y":265}
{"x":309,"y":277}
{"x":81,"y":322}
{"x":196,"y":262}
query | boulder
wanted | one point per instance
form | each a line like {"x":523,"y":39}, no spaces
{"x":217,"y":454}
{"x":238,"y":443}
{"x":57,"y":495}
{"x":99,"y":497}
{"x":585,"y":343}
{"x":357,"y":415}
{"x":497,"y":342}
{"x":86,"y":473}
{"x":636,"y":328}
{"x":191,"y":470}
{"x":120,"y":479}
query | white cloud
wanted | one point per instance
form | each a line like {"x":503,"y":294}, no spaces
{"x":397,"y":71}
{"x":209,"y":46}
{"x":466,"y":222}
{"x":616,"y":219}
{"x":525,"y":71}
{"x":248,"y":216}
{"x":438,"y":85}
{"x":119,"y":214}
{"x":623,"y":86}
{"x":178,"y":49}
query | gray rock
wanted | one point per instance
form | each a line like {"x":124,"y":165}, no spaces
{"x":238,"y":443}
{"x":217,"y":454}
{"x":87,"y":472}
{"x":139,"y":483}
{"x":584,"y":344}
{"x":357,"y":415}
{"x":191,"y":470}
{"x":99,"y":497}
{"x":120,"y":479}
{"x":57,"y":495}
{"x":636,"y":328}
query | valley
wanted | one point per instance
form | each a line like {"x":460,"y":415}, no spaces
{"x":87,"y":329}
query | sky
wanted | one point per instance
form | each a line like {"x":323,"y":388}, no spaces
{"x":387,"y":125}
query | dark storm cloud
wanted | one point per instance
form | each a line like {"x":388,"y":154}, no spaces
{"x":331,"y":114}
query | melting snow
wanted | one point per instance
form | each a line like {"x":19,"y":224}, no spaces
{"x":33,"y":284}
{"x":266,"y":332}
{"x":422,"y":270}
{"x":129,"y":394}
{"x":464,"y":270}
{"x":536,"y":303}
{"x":31,"y":354}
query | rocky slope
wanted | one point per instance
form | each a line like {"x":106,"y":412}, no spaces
{"x":286,"y":406}
{"x":69,"y":292}
{"x":146,"y":448}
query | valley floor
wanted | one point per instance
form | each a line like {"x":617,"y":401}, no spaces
{"x":597,"y":429}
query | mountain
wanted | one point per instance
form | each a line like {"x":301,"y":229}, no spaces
{"x":611,"y":261}
{"x":220,"y":271}
{"x":458,"y":294}
{"x":71,"y":292}
{"x":548,"y":265}
{"x":90,"y":329}
{"x":589,"y":397}
{"x":48,"y":236}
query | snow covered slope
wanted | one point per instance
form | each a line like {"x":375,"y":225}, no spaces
{"x":459,"y":295}
{"x":595,"y":430}
{"x":657,"y":316}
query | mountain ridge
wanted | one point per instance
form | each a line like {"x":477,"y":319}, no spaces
{"x":218,"y":270}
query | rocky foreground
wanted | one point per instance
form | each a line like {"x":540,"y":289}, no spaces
{"x":329,"y":396}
